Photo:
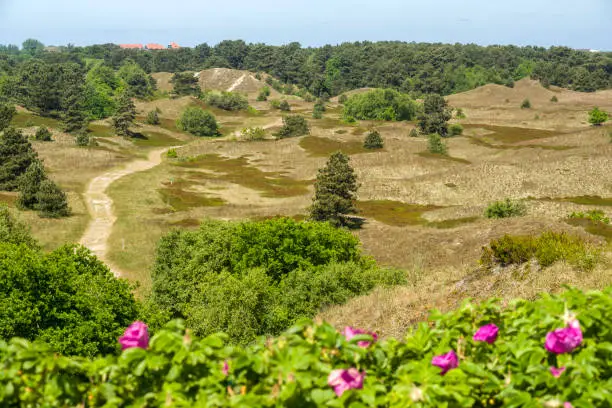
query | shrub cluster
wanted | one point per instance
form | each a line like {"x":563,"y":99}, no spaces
{"x":253,"y":134}
{"x":505,"y":209}
{"x":293,"y":125}
{"x":552,"y":352}
{"x":526,"y":104}
{"x":546,"y":249}
{"x":373,"y":141}
{"x":380,"y":104}
{"x":263,"y":95}
{"x":230,"y":101}
{"x":436,"y":145}
{"x":455,"y":129}
{"x":198,"y":122}
{"x":43,"y":134}
{"x":592,"y":215}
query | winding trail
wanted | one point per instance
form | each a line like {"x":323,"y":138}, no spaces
{"x":100,"y":206}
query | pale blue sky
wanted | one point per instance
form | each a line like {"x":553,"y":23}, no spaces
{"x":575,"y":23}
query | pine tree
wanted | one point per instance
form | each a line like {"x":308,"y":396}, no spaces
{"x":6,"y":115}
{"x":16,"y":155}
{"x":74,"y":118}
{"x":52,"y":201}
{"x":335,"y":192}
{"x":435,"y":115}
{"x":29,"y":186}
{"x":126,"y":113}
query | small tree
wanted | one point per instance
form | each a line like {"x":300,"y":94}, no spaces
{"x":14,"y":232}
{"x":6,"y":115}
{"x":82,"y":139}
{"x":319,"y":108}
{"x":460,"y":114}
{"x":293,"y":125}
{"x":436,"y":145}
{"x":198,"y":122}
{"x":413,"y":133}
{"x":253,"y":134}
{"x":342,"y":99}
{"x":435,"y":115}
{"x":597,"y":117}
{"x":125,"y":115}
{"x":505,"y":208}
{"x":264,"y":93}
{"x":373,"y":141}
{"x":284,"y":106}
{"x":16,"y":155}
{"x":455,"y":129}
{"x":526,"y":104}
{"x":29,"y":186}
{"x":185,"y":83}
{"x":554,"y":99}
{"x":52,"y":201}
{"x":74,"y":117}
{"x":152,"y":118}
{"x":335,"y":192}
{"x":42,"y":134}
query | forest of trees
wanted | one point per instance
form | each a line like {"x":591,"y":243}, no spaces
{"x":417,"y":68}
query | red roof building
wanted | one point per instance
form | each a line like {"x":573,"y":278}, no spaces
{"x":155,"y":47}
{"x":131,"y":46}
{"x":174,"y":46}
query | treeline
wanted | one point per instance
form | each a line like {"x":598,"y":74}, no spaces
{"x":419,"y":68}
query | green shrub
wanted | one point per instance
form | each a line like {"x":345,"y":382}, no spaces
{"x":171,"y":154}
{"x":350,"y":120}
{"x":597,"y":117}
{"x":592,"y":215}
{"x":253,"y":134}
{"x":455,"y":129}
{"x":293,"y":125}
{"x":373,"y":141}
{"x":380,"y":104}
{"x":43,"y":134}
{"x":413,"y":133}
{"x":82,"y":139}
{"x":554,"y":99}
{"x":52,"y":201}
{"x":264,"y":93}
{"x":460,"y":114}
{"x":547,"y":248}
{"x":505,"y":208}
{"x":342,"y":99}
{"x":229,"y":101}
{"x":275,"y":104}
{"x":526,"y":104}
{"x":152,"y":118}
{"x":319,"y":108}
{"x":198,"y":122}
{"x":284,"y":106}
{"x":436,"y":145}
{"x":13,"y":231}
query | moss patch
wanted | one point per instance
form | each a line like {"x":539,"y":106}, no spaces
{"x":99,"y":130}
{"x":582,"y":200}
{"x":479,"y":141}
{"x":429,"y":155}
{"x":593,"y":227}
{"x":323,"y":147}
{"x":22,"y":119}
{"x":175,"y":195}
{"x":509,"y":134}
{"x":155,"y":139}
{"x":453,"y":223}
{"x":394,"y":213}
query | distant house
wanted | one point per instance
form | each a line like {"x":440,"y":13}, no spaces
{"x":154,"y":47}
{"x":174,"y":46}
{"x":131,"y":46}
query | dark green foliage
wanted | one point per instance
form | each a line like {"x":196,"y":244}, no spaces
{"x":373,"y":141}
{"x":459,"y":114}
{"x":335,"y":192}
{"x":505,"y":208}
{"x":82,"y":139}
{"x":125,"y":115}
{"x":526,"y":104}
{"x":43,"y":134}
{"x":318,"y":109}
{"x":597,"y":117}
{"x":100,"y":87}
{"x":436,"y":145}
{"x":52,"y":201}
{"x":17,"y":155}
{"x":592,"y":215}
{"x":6,"y":115}
{"x":554,"y":99}
{"x":264,"y":93}
{"x":198,"y":122}
{"x":152,"y":118}
{"x":138,"y":83}
{"x":13,"y":231}
{"x":293,"y":126}
{"x":547,"y":248}
{"x":29,"y":186}
{"x":67,"y":299}
{"x":172,"y":154}
{"x":455,"y":129}
{"x":342,"y":99}
{"x":74,"y":115}
{"x":413,"y":133}
{"x":435,"y":116}
{"x":230,"y":101}
{"x":380,"y":104}
{"x":284,"y":106}
{"x":185,"y":83}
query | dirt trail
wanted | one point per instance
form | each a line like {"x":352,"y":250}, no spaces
{"x":100,"y":206}
{"x":237,"y":83}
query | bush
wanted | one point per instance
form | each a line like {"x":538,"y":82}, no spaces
{"x":17,"y":155}
{"x":29,"y":186}
{"x":547,"y":248}
{"x":198,"y":122}
{"x":264,"y":93}
{"x":505,"y":209}
{"x":380,"y":104}
{"x":82,"y":139}
{"x":413,"y":133}
{"x":592,"y":215}
{"x":436,"y":145}
{"x":435,"y":115}
{"x":511,"y":369}
{"x":459,"y":114}
{"x":284,"y":106}
{"x":43,"y":134}
{"x":230,"y":101}
{"x":455,"y":129}
{"x":7,"y":112}
{"x":373,"y":141}
{"x":12,"y":231}
{"x":253,"y":134}
{"x":342,"y":99}
{"x":526,"y":104}
{"x":171,"y":154}
{"x":293,"y":125}
{"x":52,"y":201}
{"x":554,"y":99}
{"x":597,"y":117}
{"x":319,"y":108}
{"x":152,"y":118}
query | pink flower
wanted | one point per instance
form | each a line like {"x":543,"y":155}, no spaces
{"x":343,"y":380}
{"x":567,"y":405}
{"x":225,"y":368}
{"x":446,"y":361}
{"x":487,"y":333}
{"x":564,"y":340}
{"x":350,"y":332}
{"x":556,"y":372}
{"x":136,"y":335}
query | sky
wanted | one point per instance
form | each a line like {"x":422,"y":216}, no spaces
{"x":573,"y":23}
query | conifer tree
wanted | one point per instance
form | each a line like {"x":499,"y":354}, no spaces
{"x":6,"y":115}
{"x":125,"y":115}
{"x":52,"y":201}
{"x":16,"y":155}
{"x":74,"y":118}
{"x":29,"y":186}
{"x":435,"y":115}
{"x":335,"y":192}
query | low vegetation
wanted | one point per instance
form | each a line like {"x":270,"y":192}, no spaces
{"x":455,"y":130}
{"x":198,"y":122}
{"x":526,"y":104}
{"x":253,"y":134}
{"x":436,"y":145}
{"x":373,"y":141}
{"x":434,"y":116}
{"x":380,"y":104}
{"x":597,"y":117}
{"x":184,"y":84}
{"x":229,"y":101}
{"x":42,"y":134}
{"x":592,"y":215}
{"x":293,"y":126}
{"x":505,"y":208}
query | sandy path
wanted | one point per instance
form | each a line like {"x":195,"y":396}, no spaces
{"x":237,"y":83}
{"x":100,"y":206}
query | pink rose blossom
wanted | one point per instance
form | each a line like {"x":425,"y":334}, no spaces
{"x":136,"y":335}
{"x":567,"y":405}
{"x":556,"y":372}
{"x":225,"y":368}
{"x":487,"y":333}
{"x":446,"y":361}
{"x":564,"y":340}
{"x":350,"y":332}
{"x":343,"y":380}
